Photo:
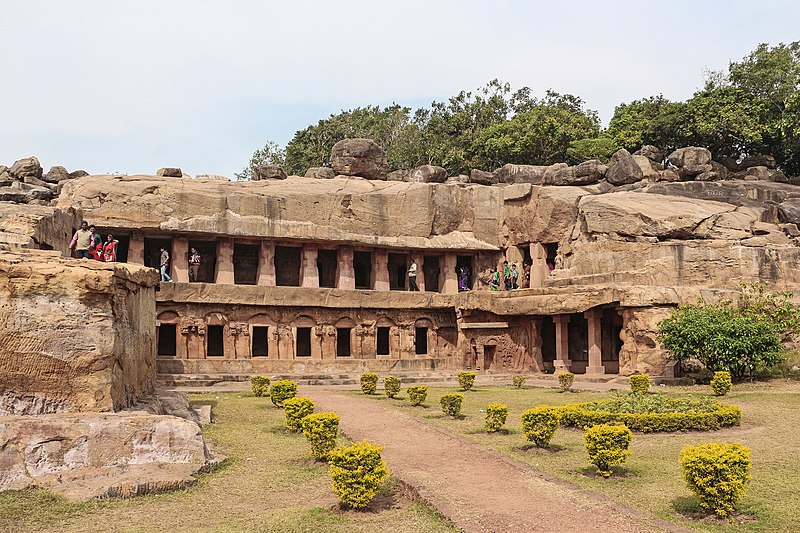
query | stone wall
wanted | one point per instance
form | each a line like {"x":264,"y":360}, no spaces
{"x":74,"y":335}
{"x":36,"y":227}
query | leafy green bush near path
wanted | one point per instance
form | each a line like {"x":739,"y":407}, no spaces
{"x":607,"y":446}
{"x":451,"y":404}
{"x":357,"y":472}
{"x":466,"y":380}
{"x":565,"y":380}
{"x":296,"y":410}
{"x":721,"y":383}
{"x":496,"y":415}
{"x":518,"y":381}
{"x":540,"y":424}
{"x":417,"y":394}
{"x":640,"y":383}
{"x":260,"y":385}
{"x":282,"y":390}
{"x":369,"y":383}
{"x":321,"y":430}
{"x":717,"y":473}
{"x":391,"y":385}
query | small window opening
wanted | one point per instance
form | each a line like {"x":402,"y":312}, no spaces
{"x":421,"y":341}
{"x":382,"y":340}
{"x":303,"y":342}
{"x":167,"y":340}
{"x":260,"y":343}
{"x":215,"y":345}
{"x":343,"y":342}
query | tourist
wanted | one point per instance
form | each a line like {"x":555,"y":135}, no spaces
{"x":494,"y":283}
{"x":165,"y":266}
{"x":194,"y":265}
{"x":463,"y":279}
{"x":96,"y":245}
{"x":110,"y":249}
{"x":81,"y":242}
{"x":506,"y":276}
{"x":412,"y":276}
{"x":526,"y":275}
{"x":514,"y":276}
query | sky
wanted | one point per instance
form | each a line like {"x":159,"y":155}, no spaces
{"x":133,"y":86}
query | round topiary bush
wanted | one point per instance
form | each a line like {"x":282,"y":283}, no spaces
{"x":565,"y":380}
{"x":451,"y":404}
{"x":392,"y":386}
{"x":417,"y":394}
{"x":640,"y":383}
{"x":518,"y":381}
{"x":369,"y":382}
{"x":721,"y":383}
{"x":466,"y":380}
{"x":717,"y":474}
{"x":321,"y":429}
{"x":540,"y":424}
{"x":260,"y":385}
{"x":357,"y":472}
{"x":607,"y":446}
{"x":282,"y":390}
{"x":496,"y":414}
{"x":296,"y":410}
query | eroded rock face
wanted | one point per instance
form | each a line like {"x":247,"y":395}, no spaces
{"x":481,"y":177}
{"x":359,"y":157}
{"x":532,"y":174}
{"x":56,"y":174}
{"x":320,"y":173}
{"x":623,"y":169}
{"x":170,"y":172}
{"x":34,"y":227}
{"x":26,"y":167}
{"x":101,"y":455}
{"x":74,"y":335}
{"x":691,"y":161}
{"x":269,"y":172}
{"x":428,"y":174}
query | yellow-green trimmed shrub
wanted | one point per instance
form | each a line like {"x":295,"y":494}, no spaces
{"x":540,"y":424}
{"x":392,"y":386}
{"x":565,"y":380}
{"x":451,"y":404}
{"x":607,"y":446}
{"x":717,"y":473}
{"x":721,"y":383}
{"x":518,"y":381}
{"x":282,"y":390}
{"x":260,"y":385}
{"x":417,"y":394}
{"x":296,"y":410}
{"x":640,"y":383}
{"x":321,"y":430}
{"x":466,"y":380}
{"x":496,"y":414}
{"x":369,"y":383}
{"x":357,"y":472}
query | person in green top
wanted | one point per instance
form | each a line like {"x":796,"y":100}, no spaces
{"x":506,"y":276}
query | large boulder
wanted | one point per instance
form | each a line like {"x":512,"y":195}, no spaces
{"x":56,"y":174}
{"x":646,"y":165}
{"x":170,"y":172}
{"x":269,"y":171}
{"x":589,"y":172}
{"x":428,"y":174}
{"x":320,"y":173}
{"x":623,"y":169}
{"x":509,"y":173}
{"x":359,"y":157}
{"x":398,"y":175}
{"x":482,"y":177}
{"x":652,"y":153}
{"x":26,"y":167}
{"x":78,"y":174}
{"x":759,"y":161}
{"x":691,"y":161}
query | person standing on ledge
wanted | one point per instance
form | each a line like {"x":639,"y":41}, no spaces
{"x":194,"y":265}
{"x":165,"y":265}
{"x":412,"y":276}
{"x":81,"y":242}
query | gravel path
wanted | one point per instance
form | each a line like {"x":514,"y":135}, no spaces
{"x":478,"y":489}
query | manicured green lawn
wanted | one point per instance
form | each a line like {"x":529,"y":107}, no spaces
{"x":651,"y":480}
{"x":269,"y":484}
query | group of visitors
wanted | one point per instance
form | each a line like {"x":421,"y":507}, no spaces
{"x":88,"y":244}
{"x":511,"y":277}
{"x":463,"y":277}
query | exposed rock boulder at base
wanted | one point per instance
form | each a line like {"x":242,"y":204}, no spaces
{"x":269,"y":171}
{"x":359,"y":157}
{"x":482,"y":177}
{"x":509,"y":173}
{"x":320,"y":173}
{"x":623,"y":169}
{"x":28,"y":166}
{"x":691,"y":161}
{"x":428,"y":174}
{"x":170,"y":172}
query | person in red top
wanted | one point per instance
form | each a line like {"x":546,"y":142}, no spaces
{"x":110,"y":249}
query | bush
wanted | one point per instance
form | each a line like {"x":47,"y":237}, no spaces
{"x":518,"y":381}
{"x":607,"y":446}
{"x":652,"y":413}
{"x":392,"y":386}
{"x":717,"y":473}
{"x":451,"y":404}
{"x":417,"y":394}
{"x":321,"y":430}
{"x":282,"y":390}
{"x":540,"y":424}
{"x":466,"y":380}
{"x":260,"y":385}
{"x":640,"y":383}
{"x":721,"y":383}
{"x":357,"y":472}
{"x":369,"y":382}
{"x":496,"y":414}
{"x":565,"y":379}
{"x":296,"y":410}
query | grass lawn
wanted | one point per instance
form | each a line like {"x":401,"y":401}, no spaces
{"x":651,"y":480}
{"x":268,"y":484}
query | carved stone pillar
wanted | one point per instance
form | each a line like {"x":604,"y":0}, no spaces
{"x":136,"y":249}
{"x":346,"y":271}
{"x":310,"y":269}
{"x":224,"y":262}
{"x":450,"y":274}
{"x":539,"y":270}
{"x":380,"y":265}
{"x":266,"y":264}
{"x":562,"y":362}
{"x":180,"y":260}
{"x":595,"y":343}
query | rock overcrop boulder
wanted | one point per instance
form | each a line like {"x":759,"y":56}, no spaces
{"x":28,"y":166}
{"x":359,"y":157}
{"x":320,"y":173}
{"x":269,"y":171}
{"x":56,"y":174}
{"x":691,"y":161}
{"x":623,"y":169}
{"x":652,"y":153}
{"x":533,"y":174}
{"x":78,"y":174}
{"x":428,"y":174}
{"x":170,"y":172}
{"x":482,"y":177}
{"x":589,"y":172}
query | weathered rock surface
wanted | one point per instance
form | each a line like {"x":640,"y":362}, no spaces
{"x":320,"y":173}
{"x":623,"y":169}
{"x":215,"y":177}
{"x":481,"y":177}
{"x":34,"y":227}
{"x":74,"y":335}
{"x":269,"y":172}
{"x":691,"y":161}
{"x":78,"y":174}
{"x":652,"y":153}
{"x":590,"y":171}
{"x":28,"y":166}
{"x":359,"y":157}
{"x":532,"y":174}
{"x":56,"y":174}
{"x":428,"y":174}
{"x":170,"y":172}
{"x":101,"y":455}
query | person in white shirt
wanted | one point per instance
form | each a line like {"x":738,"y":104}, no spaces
{"x":412,"y":276}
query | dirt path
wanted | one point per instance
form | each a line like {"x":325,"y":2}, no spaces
{"x":478,"y":489}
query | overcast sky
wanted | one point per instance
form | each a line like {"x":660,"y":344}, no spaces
{"x":113,"y":86}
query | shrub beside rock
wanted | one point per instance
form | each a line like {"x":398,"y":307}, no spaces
{"x":540,"y":424}
{"x":721,"y":383}
{"x":607,"y":446}
{"x":451,"y":404}
{"x":391,"y":385}
{"x":518,"y":381}
{"x":260,"y":385}
{"x":717,"y":474}
{"x":357,"y":472}
{"x":369,"y":383}
{"x":282,"y":390}
{"x":417,"y":394}
{"x":466,"y":380}
{"x":296,"y":410}
{"x":321,"y":430}
{"x":496,"y":415}
{"x":565,"y":380}
{"x":640,"y":383}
